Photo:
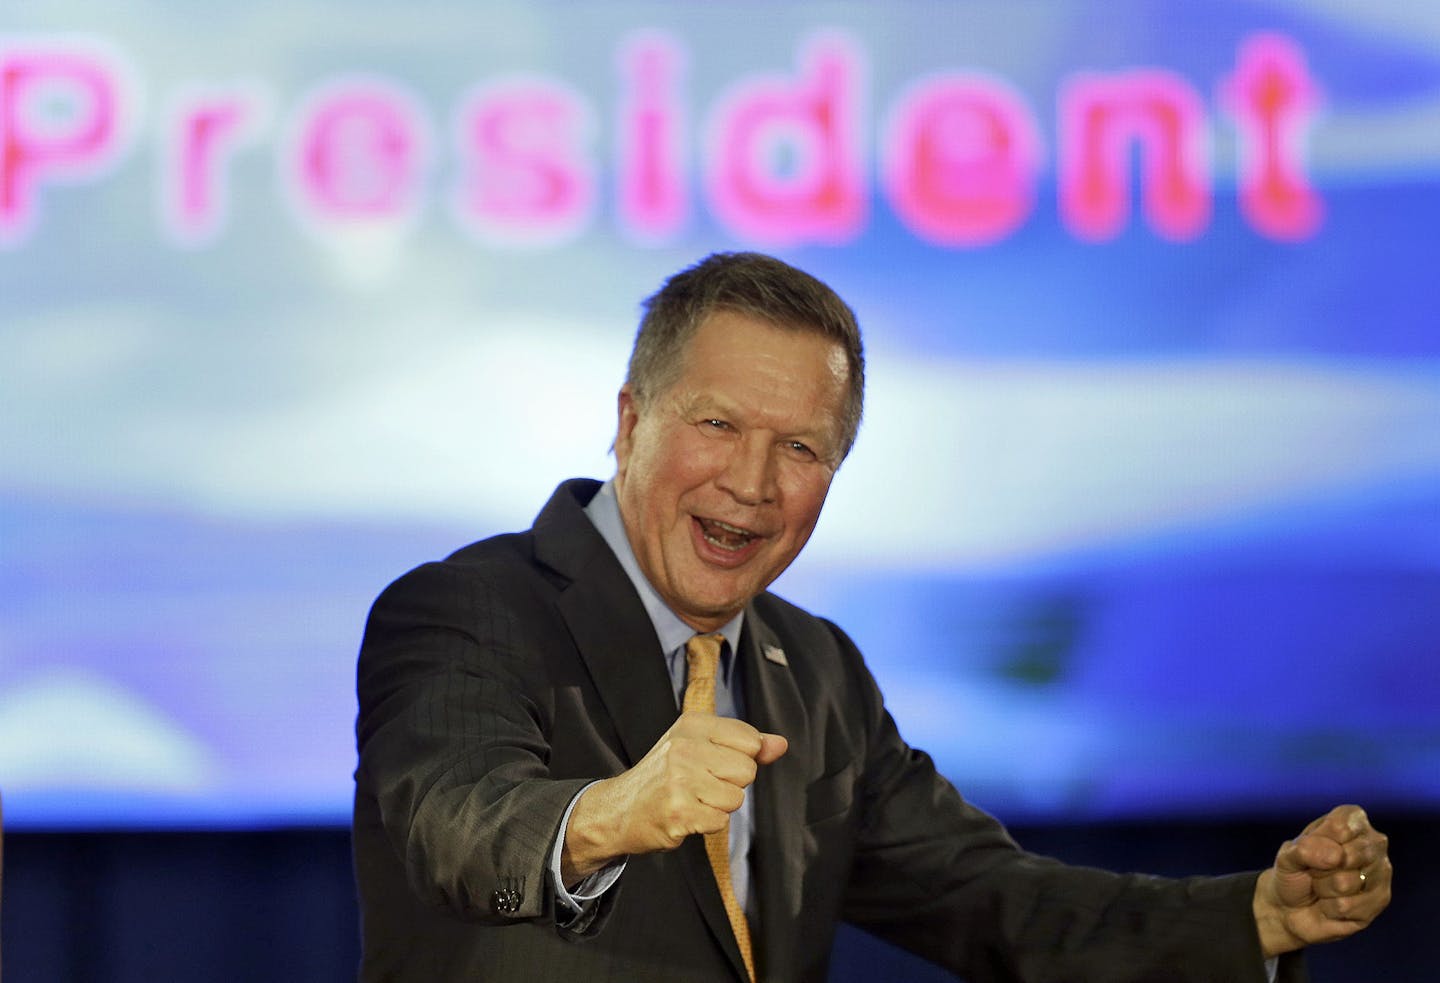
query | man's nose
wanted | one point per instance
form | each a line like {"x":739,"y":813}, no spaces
{"x":749,"y":473}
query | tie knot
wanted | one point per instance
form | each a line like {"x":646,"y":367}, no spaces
{"x":702,"y":655}
{"x":702,"y":658}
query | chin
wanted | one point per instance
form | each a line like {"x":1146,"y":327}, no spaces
{"x":711,"y":607}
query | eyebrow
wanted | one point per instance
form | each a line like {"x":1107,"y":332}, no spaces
{"x":696,"y":403}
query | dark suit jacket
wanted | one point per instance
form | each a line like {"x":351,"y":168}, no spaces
{"x":495,"y":684}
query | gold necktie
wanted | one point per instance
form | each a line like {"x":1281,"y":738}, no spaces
{"x":702,"y":656}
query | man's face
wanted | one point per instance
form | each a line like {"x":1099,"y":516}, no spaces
{"x":722,"y":476}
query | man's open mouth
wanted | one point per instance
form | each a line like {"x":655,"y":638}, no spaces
{"x":724,"y":535}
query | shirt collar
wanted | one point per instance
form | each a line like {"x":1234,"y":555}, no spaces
{"x":604,"y":512}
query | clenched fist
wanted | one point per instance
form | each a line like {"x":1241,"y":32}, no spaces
{"x":1327,"y":883}
{"x":689,"y":782}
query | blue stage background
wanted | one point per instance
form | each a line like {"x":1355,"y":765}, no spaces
{"x":1141,"y":524}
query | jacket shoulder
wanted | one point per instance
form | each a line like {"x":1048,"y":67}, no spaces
{"x":798,"y":626}
{"x":514,"y":558}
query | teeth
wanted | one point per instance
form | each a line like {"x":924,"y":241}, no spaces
{"x":724,"y":535}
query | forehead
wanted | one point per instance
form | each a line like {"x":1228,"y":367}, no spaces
{"x":737,"y":357}
{"x":735,"y":334}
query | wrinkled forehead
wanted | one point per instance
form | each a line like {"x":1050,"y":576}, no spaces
{"x":745,"y":365}
{"x":835,"y":354}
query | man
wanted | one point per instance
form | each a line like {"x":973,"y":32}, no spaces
{"x":529,"y":794}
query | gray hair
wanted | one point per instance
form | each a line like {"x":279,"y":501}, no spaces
{"x":755,"y":285}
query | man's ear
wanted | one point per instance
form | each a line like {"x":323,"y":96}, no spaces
{"x":627,"y":414}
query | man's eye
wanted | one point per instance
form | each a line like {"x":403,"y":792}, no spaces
{"x":799,"y":449}
{"x":714,"y":424}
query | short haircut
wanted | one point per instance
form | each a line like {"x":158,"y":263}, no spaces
{"x":755,"y":285}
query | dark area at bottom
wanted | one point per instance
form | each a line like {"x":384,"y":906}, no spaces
{"x":116,"y":907}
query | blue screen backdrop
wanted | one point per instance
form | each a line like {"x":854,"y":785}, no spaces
{"x":1144,"y":517}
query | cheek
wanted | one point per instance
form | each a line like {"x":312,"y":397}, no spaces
{"x":804,"y":498}
{"x":692,"y":459}
{"x":636,"y":457}
{"x":665,"y":466}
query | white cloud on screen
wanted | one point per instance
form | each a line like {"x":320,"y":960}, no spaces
{"x":483,"y":428}
{"x":1359,"y":138}
{"x":959,"y":463}
{"x":971,"y":465}
{"x":1411,"y":20}
{"x":1403,"y":139}
{"x":72,"y":729}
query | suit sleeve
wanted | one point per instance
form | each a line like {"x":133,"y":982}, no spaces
{"x":453,"y":747}
{"x":938,"y":876}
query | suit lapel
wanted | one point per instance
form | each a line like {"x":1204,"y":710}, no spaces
{"x":774,"y":705}
{"x":701,"y":878}
{"x":611,"y":630}
{"x":618,"y":645}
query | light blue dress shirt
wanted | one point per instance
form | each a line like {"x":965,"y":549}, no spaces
{"x":604,"y":512}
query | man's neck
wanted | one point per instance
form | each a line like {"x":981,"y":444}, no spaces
{"x":670,"y":628}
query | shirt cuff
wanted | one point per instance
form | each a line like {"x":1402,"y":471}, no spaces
{"x":1272,"y":965}
{"x":599,"y":882}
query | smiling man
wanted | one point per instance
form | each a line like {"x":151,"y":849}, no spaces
{"x":602,"y":750}
{"x":721,"y":477}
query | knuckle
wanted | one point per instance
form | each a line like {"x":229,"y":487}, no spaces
{"x":675,"y":827}
{"x":675,"y":807}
